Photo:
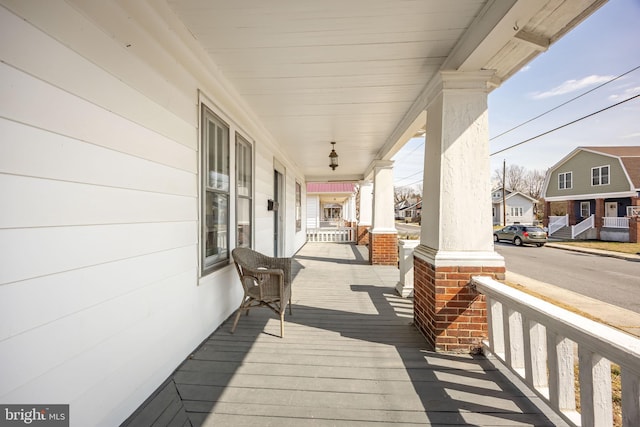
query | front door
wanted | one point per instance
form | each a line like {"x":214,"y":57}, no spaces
{"x":611,"y":209}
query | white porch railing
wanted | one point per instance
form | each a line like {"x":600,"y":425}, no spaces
{"x":338,"y":234}
{"x":615,"y":222}
{"x":585,"y":225}
{"x":537,"y":341}
{"x":633,"y":210}
{"x":557,"y":222}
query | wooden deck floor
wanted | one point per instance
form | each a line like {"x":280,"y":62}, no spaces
{"x":350,"y":357}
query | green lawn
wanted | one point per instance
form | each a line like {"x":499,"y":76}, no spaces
{"x":627,"y":248}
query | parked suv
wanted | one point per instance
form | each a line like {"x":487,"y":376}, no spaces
{"x":519,"y":234}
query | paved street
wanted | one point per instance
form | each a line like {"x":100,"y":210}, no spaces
{"x":611,"y":280}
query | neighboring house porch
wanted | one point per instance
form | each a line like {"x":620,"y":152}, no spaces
{"x":594,"y":193}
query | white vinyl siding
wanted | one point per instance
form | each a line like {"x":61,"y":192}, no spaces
{"x":101,"y":217}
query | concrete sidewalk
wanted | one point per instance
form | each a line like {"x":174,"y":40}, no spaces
{"x":620,"y":255}
{"x":614,"y":316}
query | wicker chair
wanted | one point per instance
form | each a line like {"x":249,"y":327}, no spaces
{"x":266,"y":282}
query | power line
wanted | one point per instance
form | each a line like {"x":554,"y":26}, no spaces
{"x":413,"y":174}
{"x":565,"y":125}
{"x":564,"y":103}
{"x":411,"y":152}
{"x":408,"y":185}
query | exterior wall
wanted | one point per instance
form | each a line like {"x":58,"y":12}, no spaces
{"x":580,"y":165}
{"x":100,"y":295}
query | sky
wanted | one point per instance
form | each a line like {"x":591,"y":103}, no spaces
{"x":604,"y":46}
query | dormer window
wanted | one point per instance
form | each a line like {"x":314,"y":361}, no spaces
{"x":600,"y":175}
{"x":565,"y":181}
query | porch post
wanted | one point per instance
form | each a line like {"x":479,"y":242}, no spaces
{"x":599,"y":214}
{"x":366,"y":212}
{"x":456,"y":239}
{"x":571,"y":211}
{"x":383,"y":246}
{"x":547,"y":212}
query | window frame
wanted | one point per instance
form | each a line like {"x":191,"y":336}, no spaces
{"x":298,"y":207}
{"x":562,"y":180}
{"x":224,"y":191}
{"x":582,"y":210}
{"x":240,"y":195}
{"x":600,"y":175}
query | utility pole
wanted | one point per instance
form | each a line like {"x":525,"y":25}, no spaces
{"x":504,"y":194}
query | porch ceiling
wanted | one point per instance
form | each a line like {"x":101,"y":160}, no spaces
{"x":357,"y":72}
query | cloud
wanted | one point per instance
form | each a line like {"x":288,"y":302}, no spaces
{"x":525,"y":68}
{"x":631,"y":136}
{"x":572,"y":86}
{"x":629,"y":92}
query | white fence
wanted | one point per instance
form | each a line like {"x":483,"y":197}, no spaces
{"x":557,"y":222}
{"x":338,"y":234}
{"x":538,"y":341}
{"x":615,"y":222}
{"x":583,"y":226}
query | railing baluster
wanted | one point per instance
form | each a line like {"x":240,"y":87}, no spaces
{"x":630,"y":397}
{"x":516,"y":342}
{"x":538,"y":358}
{"x":562,"y":392}
{"x":549,"y":338}
{"x":496,"y":328}
{"x":595,"y":389}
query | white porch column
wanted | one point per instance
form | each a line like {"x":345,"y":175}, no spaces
{"x":456,"y":239}
{"x":383,"y":248}
{"x":366,"y":212}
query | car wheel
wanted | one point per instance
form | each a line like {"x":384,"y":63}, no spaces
{"x":517,"y":241}
{"x":539,"y":245}
{"x":495,"y":238}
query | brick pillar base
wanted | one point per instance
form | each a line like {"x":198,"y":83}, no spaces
{"x":383,"y":248}
{"x":447,"y":311}
{"x":634,"y":230}
{"x":362,"y":237}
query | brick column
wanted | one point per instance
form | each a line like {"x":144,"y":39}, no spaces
{"x":365,"y":208}
{"x":447,"y":311}
{"x":454,"y":245}
{"x":634,"y":230}
{"x":383,"y":247}
{"x":547,"y":211}
{"x":571,"y":212}
{"x":599,"y":214}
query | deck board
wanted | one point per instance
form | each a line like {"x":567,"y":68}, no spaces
{"x":350,"y":356}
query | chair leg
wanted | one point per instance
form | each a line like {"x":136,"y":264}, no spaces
{"x":282,"y":324}
{"x":235,"y":322}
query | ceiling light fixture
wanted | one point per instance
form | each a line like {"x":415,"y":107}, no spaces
{"x":333,"y":157}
